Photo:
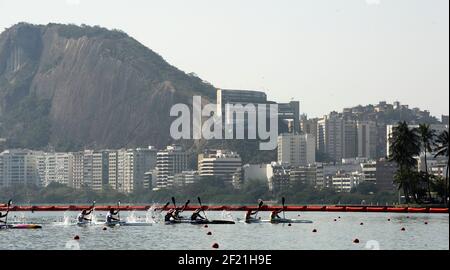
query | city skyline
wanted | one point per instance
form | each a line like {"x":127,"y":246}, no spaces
{"x":369,"y":50}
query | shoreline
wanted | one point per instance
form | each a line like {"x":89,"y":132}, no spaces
{"x":291,"y":208}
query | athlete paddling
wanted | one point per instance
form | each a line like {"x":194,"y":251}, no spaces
{"x":110,"y":217}
{"x":82,"y":217}
{"x":274,"y":215}
{"x":197,"y":216}
{"x":6,"y":214}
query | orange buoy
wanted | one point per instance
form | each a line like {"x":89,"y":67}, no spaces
{"x":215,"y":245}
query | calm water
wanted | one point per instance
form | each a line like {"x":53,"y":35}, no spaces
{"x":377,"y":232}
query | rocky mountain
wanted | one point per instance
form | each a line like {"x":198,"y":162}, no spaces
{"x":71,"y":87}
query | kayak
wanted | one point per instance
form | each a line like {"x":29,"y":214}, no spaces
{"x":200,"y":222}
{"x":20,"y":226}
{"x":276,"y":221}
{"x":124,"y":223}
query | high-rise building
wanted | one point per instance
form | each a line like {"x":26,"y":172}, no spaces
{"x":78,"y":170}
{"x":129,"y":169}
{"x":18,"y":167}
{"x":100,"y":170}
{"x":330,"y":132}
{"x":349,"y":139}
{"x":309,"y":126}
{"x":288,"y":113}
{"x":58,"y":168}
{"x":219,"y":163}
{"x":296,"y":149}
{"x":169,"y":162}
{"x":367,"y":139}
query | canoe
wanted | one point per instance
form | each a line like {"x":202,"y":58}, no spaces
{"x":124,"y":223}
{"x":200,"y":222}
{"x":277,"y":221}
{"x":21,"y":226}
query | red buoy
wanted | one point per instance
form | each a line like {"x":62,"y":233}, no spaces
{"x":76,"y":237}
{"x":356,"y":241}
{"x":215,"y":245}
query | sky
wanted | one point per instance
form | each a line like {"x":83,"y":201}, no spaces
{"x":328,"y":54}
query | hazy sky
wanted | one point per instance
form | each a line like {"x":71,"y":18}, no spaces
{"x":329,"y":54}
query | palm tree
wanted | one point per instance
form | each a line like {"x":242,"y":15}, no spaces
{"x":426,"y":136}
{"x":443,"y":150}
{"x":405,"y":146}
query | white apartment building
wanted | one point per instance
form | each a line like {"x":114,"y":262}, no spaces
{"x":369,"y":171}
{"x":344,"y":182}
{"x":58,"y":168}
{"x":18,"y":167}
{"x":169,"y":162}
{"x":296,"y":149}
{"x":219,"y":163}
{"x":128,"y":169}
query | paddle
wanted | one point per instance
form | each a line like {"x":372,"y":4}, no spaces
{"x":185,"y":205}
{"x":200,"y":202}
{"x":7,"y":211}
{"x":173,"y":201}
{"x":92,"y":213}
{"x":118,"y":210}
{"x":283,"y":200}
{"x":259,"y":207}
{"x":164,"y":207}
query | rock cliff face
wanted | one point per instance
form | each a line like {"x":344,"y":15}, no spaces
{"x":71,"y":87}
